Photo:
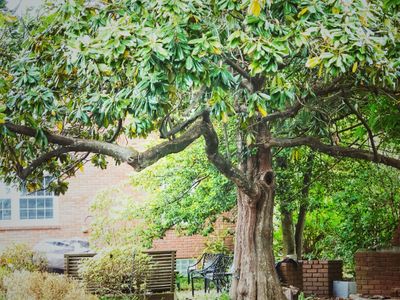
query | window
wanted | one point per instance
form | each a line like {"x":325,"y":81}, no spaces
{"x":23,"y":209}
{"x":35,"y":208}
{"x":37,"y":205}
{"x":5,"y":209}
{"x":183,"y":264}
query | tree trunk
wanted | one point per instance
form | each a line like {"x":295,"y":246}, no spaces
{"x":254,"y":263}
{"x":288,"y":237}
{"x":301,"y":220}
{"x":298,"y":235}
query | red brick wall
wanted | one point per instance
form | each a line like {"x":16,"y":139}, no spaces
{"x":191,"y":246}
{"x":318,"y":276}
{"x":187,"y":247}
{"x":74,"y":209}
{"x":378,"y":273}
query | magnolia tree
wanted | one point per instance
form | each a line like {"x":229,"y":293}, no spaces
{"x":320,"y":74}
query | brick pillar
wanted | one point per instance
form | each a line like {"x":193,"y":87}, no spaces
{"x":292,"y":274}
{"x":378,"y":273}
{"x":396,"y":237}
{"x":318,"y":276}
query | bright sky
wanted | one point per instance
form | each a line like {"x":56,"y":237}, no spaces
{"x":24,"y":5}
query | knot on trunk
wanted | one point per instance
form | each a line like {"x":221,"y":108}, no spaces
{"x":267,"y":178}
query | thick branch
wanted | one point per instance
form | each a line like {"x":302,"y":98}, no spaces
{"x":76,"y":144}
{"x":223,"y":165}
{"x":31,"y":132}
{"x":150,"y":156}
{"x":134,"y":158}
{"x":336,"y":151}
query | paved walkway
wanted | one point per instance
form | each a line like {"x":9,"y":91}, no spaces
{"x":198,"y":295}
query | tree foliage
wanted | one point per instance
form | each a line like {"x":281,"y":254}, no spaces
{"x":99,"y":69}
{"x":185,"y":193}
{"x":357,"y":207}
{"x":321,"y":74}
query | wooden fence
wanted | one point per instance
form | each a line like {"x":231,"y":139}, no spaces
{"x":161,"y":281}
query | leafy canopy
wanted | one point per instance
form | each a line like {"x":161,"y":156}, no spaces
{"x":99,"y":69}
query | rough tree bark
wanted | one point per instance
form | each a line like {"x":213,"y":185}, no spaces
{"x":288,"y":238}
{"x":254,"y":263}
{"x":299,"y":230}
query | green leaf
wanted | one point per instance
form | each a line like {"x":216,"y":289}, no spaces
{"x":189,"y":63}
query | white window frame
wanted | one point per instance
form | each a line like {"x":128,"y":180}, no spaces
{"x":2,"y":209}
{"x":15,"y":195}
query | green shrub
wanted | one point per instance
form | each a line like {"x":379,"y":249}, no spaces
{"x":22,"y":257}
{"x":3,"y":273}
{"x":23,"y":285}
{"x":216,"y":243}
{"x":116,"y":271}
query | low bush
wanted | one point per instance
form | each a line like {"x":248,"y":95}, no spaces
{"x":116,"y":271}
{"x":21,"y":257}
{"x":24,"y":285}
{"x":3,"y":273}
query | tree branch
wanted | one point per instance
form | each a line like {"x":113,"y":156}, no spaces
{"x":180,"y":126}
{"x":235,"y":66}
{"x":361,"y":119}
{"x":290,"y":112}
{"x":223,"y":165}
{"x":31,"y":132}
{"x":247,"y":82}
{"x":150,"y":156}
{"x":25,"y":172}
{"x":336,"y":151}
{"x":117,"y":132}
{"x":137,"y":160}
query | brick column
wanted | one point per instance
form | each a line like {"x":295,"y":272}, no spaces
{"x":318,"y":276}
{"x":378,"y":273}
{"x":292,"y":274}
{"x":396,"y":237}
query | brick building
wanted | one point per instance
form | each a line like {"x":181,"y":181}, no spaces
{"x":41,"y":215}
